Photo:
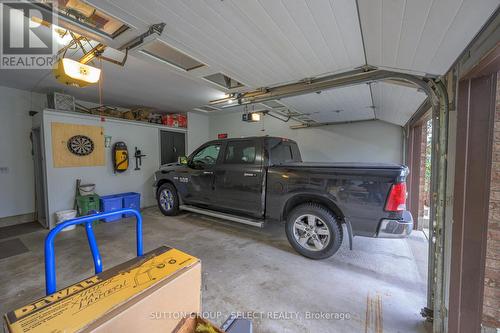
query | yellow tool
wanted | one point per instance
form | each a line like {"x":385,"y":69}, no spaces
{"x":120,"y":157}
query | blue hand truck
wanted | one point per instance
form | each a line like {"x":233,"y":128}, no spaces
{"x":232,"y":324}
{"x":50,"y":260}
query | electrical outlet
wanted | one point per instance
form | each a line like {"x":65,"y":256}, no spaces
{"x":4,"y":169}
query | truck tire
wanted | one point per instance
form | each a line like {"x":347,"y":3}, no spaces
{"x":314,"y":231}
{"x":168,"y":200}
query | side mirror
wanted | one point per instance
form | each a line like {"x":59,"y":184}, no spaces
{"x":182,"y":160}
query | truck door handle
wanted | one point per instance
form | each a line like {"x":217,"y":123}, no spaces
{"x":249,"y":174}
{"x":208,"y":172}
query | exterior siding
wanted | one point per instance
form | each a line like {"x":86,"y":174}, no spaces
{"x":491,"y":303}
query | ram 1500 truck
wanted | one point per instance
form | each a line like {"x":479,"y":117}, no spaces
{"x":259,"y":179}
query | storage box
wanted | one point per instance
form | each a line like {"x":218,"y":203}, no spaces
{"x":151,"y":293}
{"x":182,"y":121}
{"x":189,"y":325}
{"x":87,"y":204}
{"x":172,"y":120}
{"x":111,"y":203}
{"x":131,"y":200}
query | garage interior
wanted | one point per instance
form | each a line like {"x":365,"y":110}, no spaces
{"x":387,"y":81}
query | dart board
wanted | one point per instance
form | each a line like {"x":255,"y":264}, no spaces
{"x":80,"y":145}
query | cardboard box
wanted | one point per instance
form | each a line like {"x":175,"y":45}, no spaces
{"x":189,"y":325}
{"x":146,"y":294}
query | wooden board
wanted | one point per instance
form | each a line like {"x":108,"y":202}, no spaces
{"x":63,"y":158}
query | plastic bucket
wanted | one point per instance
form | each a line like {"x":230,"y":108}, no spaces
{"x":65,"y":215}
{"x":86,"y":189}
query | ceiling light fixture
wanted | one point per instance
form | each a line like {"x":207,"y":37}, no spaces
{"x":76,"y":74}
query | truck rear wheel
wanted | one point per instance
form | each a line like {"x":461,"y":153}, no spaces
{"x":314,"y":231}
{"x":167,"y":199}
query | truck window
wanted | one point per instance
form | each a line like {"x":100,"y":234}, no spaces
{"x":281,"y":153}
{"x":240,"y":152}
{"x":206,"y":157}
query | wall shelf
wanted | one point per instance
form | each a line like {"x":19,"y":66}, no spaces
{"x":115,"y":120}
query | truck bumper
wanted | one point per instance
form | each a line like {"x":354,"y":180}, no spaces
{"x":396,"y":228}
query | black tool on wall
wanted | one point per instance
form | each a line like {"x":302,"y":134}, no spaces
{"x":138,"y":158}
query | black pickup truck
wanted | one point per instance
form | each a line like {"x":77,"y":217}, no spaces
{"x":258,"y":179}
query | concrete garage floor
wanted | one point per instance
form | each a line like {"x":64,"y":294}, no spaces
{"x":253,"y":271}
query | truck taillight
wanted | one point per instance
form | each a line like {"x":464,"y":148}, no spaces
{"x":397,"y":198}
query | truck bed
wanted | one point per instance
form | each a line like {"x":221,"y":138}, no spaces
{"x":343,"y":165}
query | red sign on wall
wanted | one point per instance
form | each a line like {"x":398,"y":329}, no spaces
{"x":222,"y":136}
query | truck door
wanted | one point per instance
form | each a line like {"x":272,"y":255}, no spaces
{"x":200,"y":177}
{"x":239,"y":178}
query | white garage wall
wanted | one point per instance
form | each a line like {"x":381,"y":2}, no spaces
{"x":371,"y":141}
{"x":17,"y":186}
{"x":61,"y":181}
{"x":198,"y":131}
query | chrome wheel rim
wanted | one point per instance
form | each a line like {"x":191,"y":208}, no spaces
{"x":166,"y":199}
{"x":311,"y":232}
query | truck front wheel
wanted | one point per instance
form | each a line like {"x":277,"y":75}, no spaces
{"x":168,"y":201}
{"x":314,"y":231}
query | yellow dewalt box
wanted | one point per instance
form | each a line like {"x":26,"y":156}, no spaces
{"x":146,"y":294}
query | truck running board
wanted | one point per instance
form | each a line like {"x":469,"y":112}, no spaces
{"x":224,"y":216}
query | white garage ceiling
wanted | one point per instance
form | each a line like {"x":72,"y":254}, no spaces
{"x":266,"y":43}
{"x":424,"y":36}
{"x":139,"y":83}
{"x":258,"y":43}
{"x":394,"y":103}
{"x":380,"y":100}
{"x":335,"y":105}
{"x":270,"y":42}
